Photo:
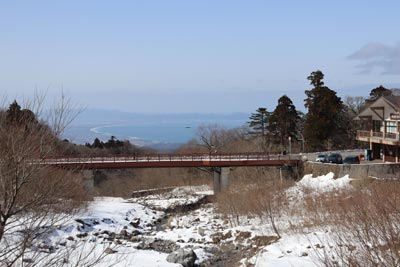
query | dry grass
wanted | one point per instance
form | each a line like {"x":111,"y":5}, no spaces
{"x":122,"y":183}
{"x":364,"y":225}
{"x":261,"y":195}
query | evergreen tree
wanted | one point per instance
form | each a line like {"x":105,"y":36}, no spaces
{"x":259,"y":121}
{"x":13,"y":113}
{"x":325,"y":113}
{"x":284,"y":120}
{"x":378,"y":92}
{"x":97,"y":143}
{"x":25,"y":119}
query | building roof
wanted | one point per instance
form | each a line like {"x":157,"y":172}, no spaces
{"x":392,"y":101}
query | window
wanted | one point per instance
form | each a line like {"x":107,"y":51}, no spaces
{"x":377,"y":126}
{"x":390,"y":126}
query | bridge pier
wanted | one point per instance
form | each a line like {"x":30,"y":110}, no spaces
{"x":88,"y":177}
{"x":221,"y":179}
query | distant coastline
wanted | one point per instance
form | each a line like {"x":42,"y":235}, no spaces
{"x":163,"y":132}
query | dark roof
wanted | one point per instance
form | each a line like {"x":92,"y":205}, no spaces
{"x":394,"y":100}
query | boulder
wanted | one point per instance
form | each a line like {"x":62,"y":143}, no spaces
{"x":109,"y":251}
{"x":184,"y":257}
{"x":260,"y":241}
{"x":160,"y":245}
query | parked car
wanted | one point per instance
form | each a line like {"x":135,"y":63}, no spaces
{"x":351,"y":160}
{"x":335,"y":158}
{"x":322,"y":158}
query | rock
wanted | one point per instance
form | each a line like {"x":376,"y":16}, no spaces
{"x":216,"y":240}
{"x":227,"y":235}
{"x":185,"y":257}
{"x":243,"y":235}
{"x":136,"y":233}
{"x":135,"y":223}
{"x":164,"y":246}
{"x":82,"y":235}
{"x":135,"y":239}
{"x":70,"y":238}
{"x":46,"y":247}
{"x":261,"y":241}
{"x":123,"y":233}
{"x":201,"y":231}
{"x":217,"y":237}
{"x":109,"y":251}
{"x":82,"y":222}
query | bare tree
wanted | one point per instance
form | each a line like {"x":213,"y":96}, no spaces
{"x":215,"y":138}
{"x":212,"y":136}
{"x":34,"y":197}
{"x":354,"y":103}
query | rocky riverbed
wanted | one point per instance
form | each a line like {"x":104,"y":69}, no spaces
{"x":170,"y":228}
{"x":180,"y":227}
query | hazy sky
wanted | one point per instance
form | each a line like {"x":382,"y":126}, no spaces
{"x":196,"y":56}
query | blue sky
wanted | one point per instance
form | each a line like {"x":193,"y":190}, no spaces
{"x":210,"y":56}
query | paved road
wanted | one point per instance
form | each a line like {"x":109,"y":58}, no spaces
{"x":344,"y":153}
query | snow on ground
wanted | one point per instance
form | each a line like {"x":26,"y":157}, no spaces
{"x":324,"y":183}
{"x":123,"y":224}
{"x":302,"y":250}
{"x":315,"y":186}
{"x":180,"y":196}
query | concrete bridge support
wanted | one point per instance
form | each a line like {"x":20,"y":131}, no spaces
{"x":221,"y":179}
{"x":88,"y":177}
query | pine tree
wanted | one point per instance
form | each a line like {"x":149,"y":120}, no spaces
{"x":325,"y":115}
{"x":284,"y":120}
{"x":259,"y":121}
{"x":97,"y":143}
{"x":378,"y":92}
{"x":13,"y":114}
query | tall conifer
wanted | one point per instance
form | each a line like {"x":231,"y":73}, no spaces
{"x":284,"y":120}
{"x":324,"y":117}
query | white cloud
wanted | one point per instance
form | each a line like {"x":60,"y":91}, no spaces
{"x":385,"y":58}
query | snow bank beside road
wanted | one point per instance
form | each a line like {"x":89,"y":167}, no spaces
{"x":324,"y":183}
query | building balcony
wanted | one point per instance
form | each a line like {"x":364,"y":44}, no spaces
{"x":379,"y":137}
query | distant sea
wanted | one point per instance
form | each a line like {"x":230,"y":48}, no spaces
{"x":164,"y":132}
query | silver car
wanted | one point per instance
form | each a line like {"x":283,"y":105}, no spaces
{"x":323,"y":158}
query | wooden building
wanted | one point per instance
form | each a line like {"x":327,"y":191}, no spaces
{"x":379,"y":125}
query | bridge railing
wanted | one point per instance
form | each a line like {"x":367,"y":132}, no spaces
{"x":171,"y":158}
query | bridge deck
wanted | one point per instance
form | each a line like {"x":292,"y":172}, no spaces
{"x":174,"y":160}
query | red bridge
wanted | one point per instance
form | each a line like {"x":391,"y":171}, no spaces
{"x":176,"y":160}
{"x":220,"y":163}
